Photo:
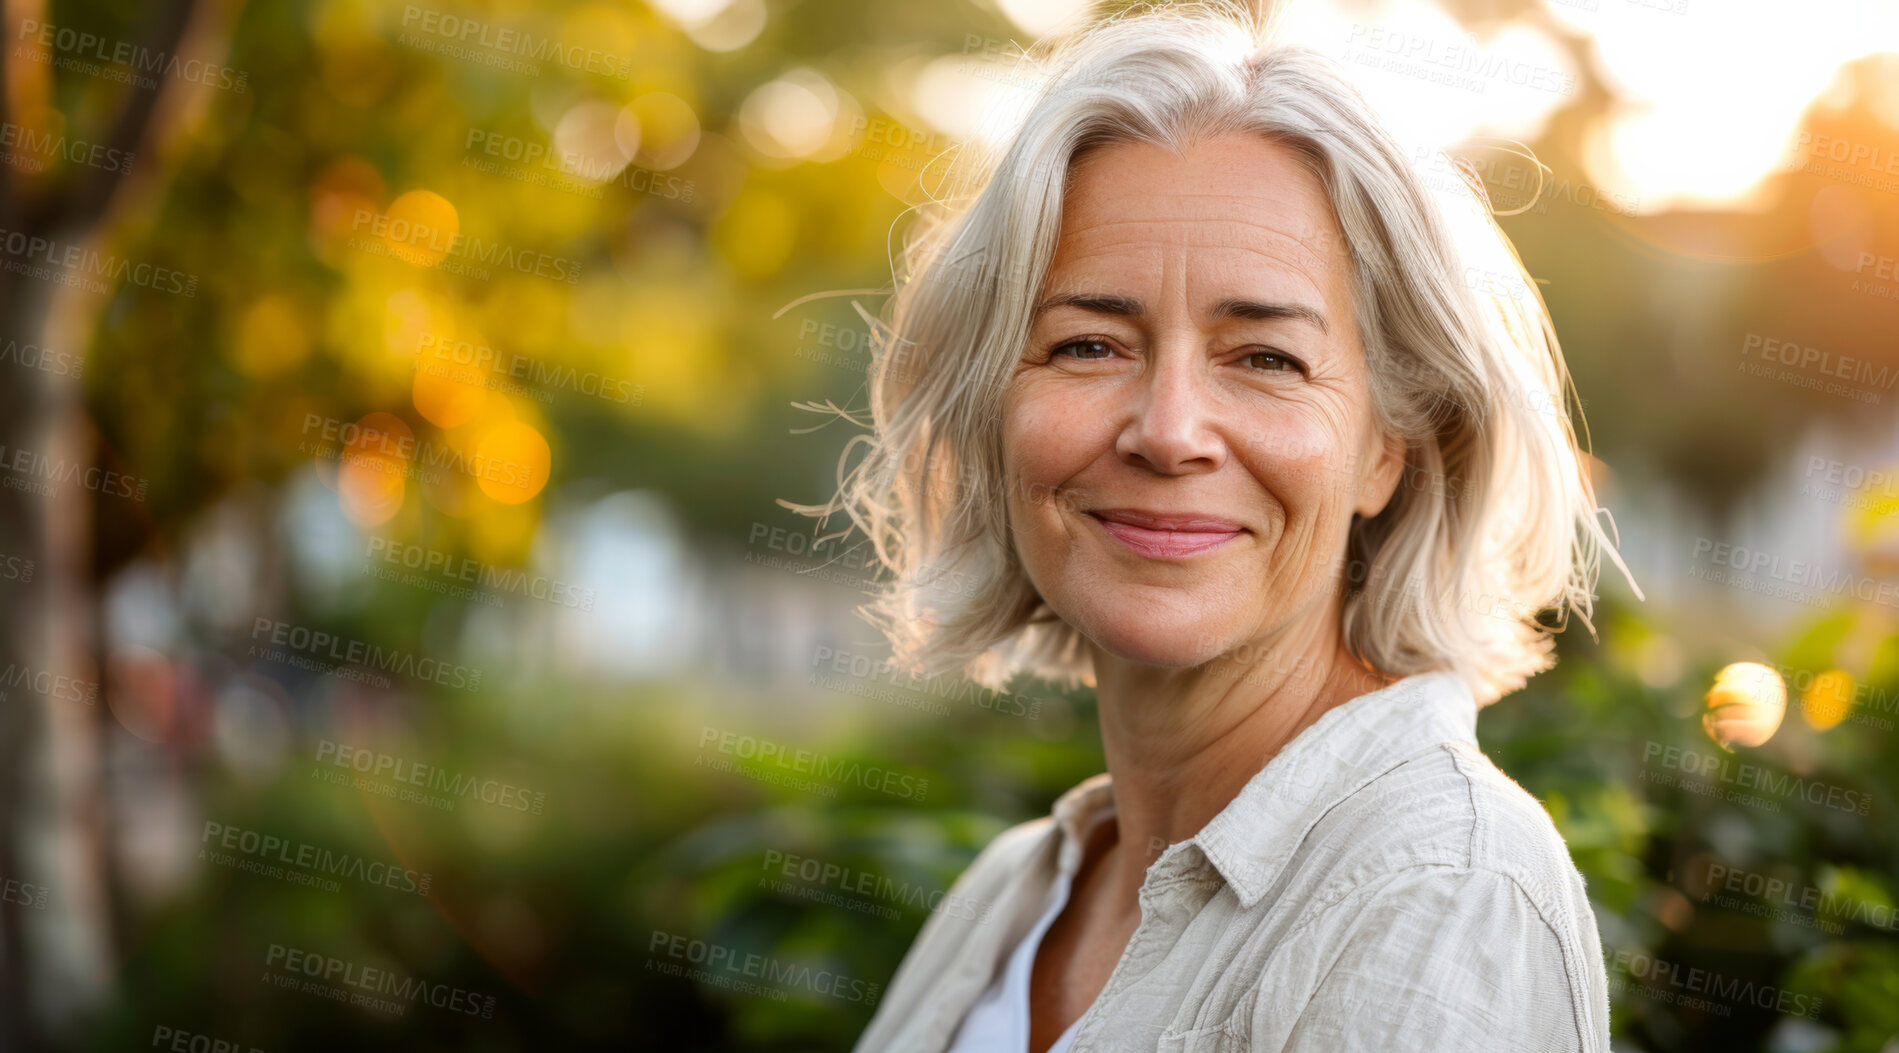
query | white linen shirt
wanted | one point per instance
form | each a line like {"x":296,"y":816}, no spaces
{"x":1379,"y":885}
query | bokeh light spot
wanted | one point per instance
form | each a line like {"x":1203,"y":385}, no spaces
{"x":511,"y":462}
{"x":1828,"y":699}
{"x":791,"y":117}
{"x":731,"y":29}
{"x":660,"y":129}
{"x":1744,"y":705}
{"x":448,"y":393}
{"x":590,"y":140}
{"x":375,"y":461}
{"x":420,"y":227}
{"x":348,"y":191}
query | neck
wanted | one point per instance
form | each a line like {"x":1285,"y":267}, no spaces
{"x":1181,"y":743}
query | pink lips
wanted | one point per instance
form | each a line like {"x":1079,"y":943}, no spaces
{"x":1164,"y":536}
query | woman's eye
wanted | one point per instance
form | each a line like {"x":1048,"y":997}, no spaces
{"x":1087,"y":350}
{"x":1271,"y":362}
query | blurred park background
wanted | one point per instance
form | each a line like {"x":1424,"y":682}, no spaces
{"x":404,"y":646}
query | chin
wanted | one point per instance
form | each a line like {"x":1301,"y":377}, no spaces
{"x":1152,"y":636}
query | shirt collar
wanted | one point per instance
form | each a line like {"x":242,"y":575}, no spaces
{"x":1353,"y":743}
{"x":1075,"y":812}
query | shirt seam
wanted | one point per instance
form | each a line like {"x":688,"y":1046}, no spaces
{"x":1477,"y":817}
{"x":1579,"y":1002}
{"x":1251,"y":871}
{"x":1250,"y":876}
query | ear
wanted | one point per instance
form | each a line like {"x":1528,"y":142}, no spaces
{"x":1377,"y":485}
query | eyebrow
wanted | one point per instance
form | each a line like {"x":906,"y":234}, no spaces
{"x":1127,"y":306}
{"x":1094,"y":302}
{"x":1254,"y":310}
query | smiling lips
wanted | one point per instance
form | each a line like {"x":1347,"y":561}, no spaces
{"x":1163,"y":536}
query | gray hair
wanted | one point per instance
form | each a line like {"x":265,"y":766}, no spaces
{"x":1495,"y":522}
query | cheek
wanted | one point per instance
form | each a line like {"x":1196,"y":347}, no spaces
{"x":1295,"y":457}
{"x":1312,"y":461}
{"x":1046,"y":443}
{"x":1046,"y":439}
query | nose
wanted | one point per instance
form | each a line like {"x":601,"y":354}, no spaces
{"x":1169,"y":425}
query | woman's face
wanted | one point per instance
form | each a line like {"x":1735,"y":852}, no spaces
{"x":1195,"y":396}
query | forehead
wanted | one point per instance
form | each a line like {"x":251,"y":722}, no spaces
{"x":1242,"y":207}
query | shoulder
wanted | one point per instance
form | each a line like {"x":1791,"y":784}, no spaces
{"x":1448,"y":805}
{"x":988,"y":888}
{"x":1448,"y":957}
{"x":1009,"y":852}
{"x":1443,"y":874}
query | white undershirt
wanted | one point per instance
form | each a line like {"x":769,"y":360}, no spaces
{"x":999,"y":1021}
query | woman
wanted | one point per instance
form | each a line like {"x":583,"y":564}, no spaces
{"x":1196,"y":389}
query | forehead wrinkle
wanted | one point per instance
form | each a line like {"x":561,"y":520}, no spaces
{"x":1263,"y":191}
{"x":1260,"y":219}
{"x":1081,"y":271}
{"x":1168,"y":235}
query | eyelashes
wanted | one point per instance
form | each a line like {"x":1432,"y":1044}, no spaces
{"x":1088,"y":342}
{"x":1288,"y":364}
{"x":1259,"y":358}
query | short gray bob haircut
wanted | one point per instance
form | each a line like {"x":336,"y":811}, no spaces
{"x":1492,"y":539}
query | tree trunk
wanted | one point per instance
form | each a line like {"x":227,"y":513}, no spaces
{"x":58,"y":963}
